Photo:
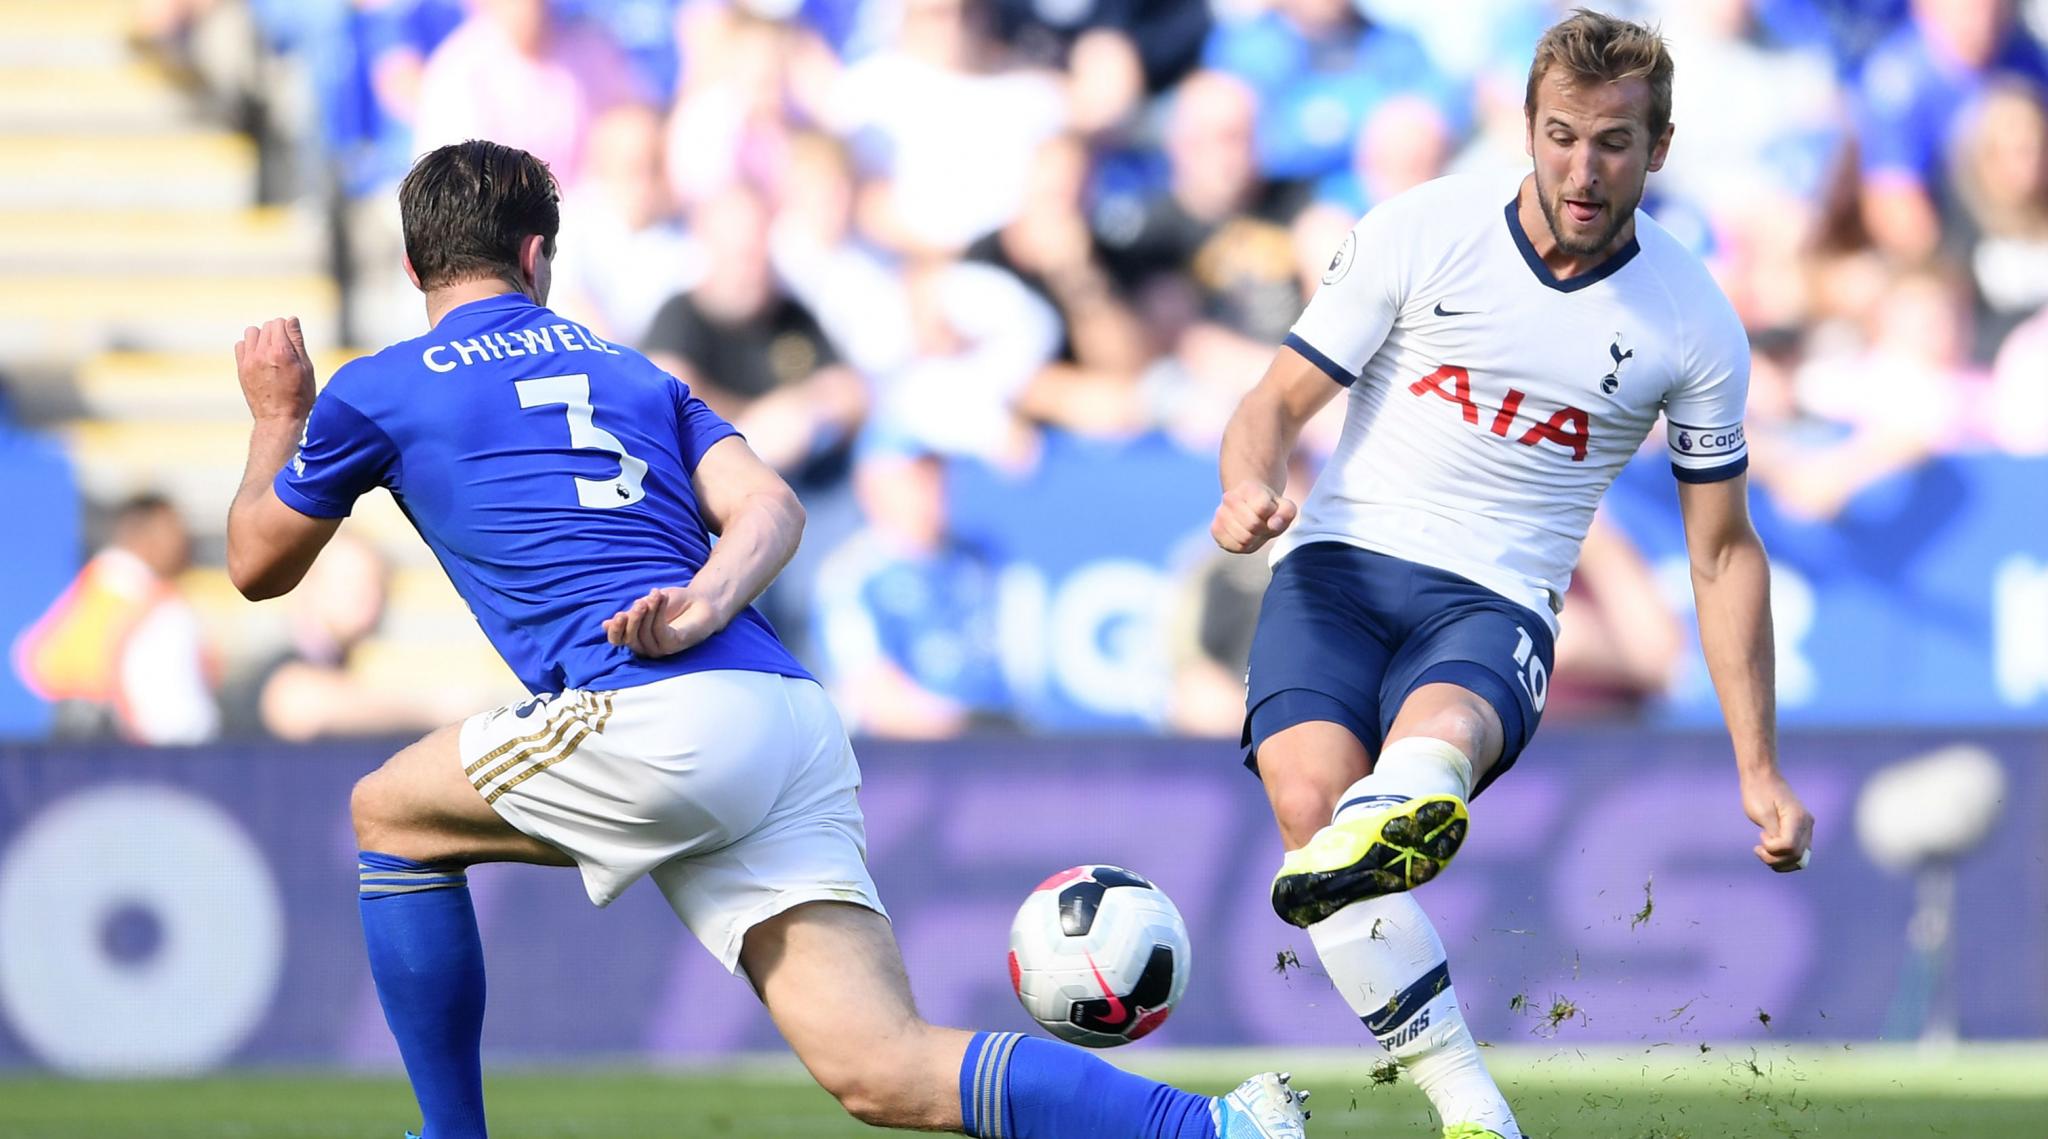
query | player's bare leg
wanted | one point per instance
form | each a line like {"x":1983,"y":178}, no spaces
{"x":1382,"y":952}
{"x":832,"y":977}
{"x":1305,"y":768}
{"x":419,"y":822}
{"x":421,"y":806}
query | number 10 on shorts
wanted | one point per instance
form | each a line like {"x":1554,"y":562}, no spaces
{"x":1529,"y":668}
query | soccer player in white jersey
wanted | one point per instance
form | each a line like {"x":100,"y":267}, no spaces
{"x":1504,"y":349}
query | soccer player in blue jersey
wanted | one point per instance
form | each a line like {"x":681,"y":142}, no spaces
{"x":570,"y":490}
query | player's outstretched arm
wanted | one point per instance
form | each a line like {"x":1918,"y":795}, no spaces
{"x":1256,"y":442}
{"x":270,"y":545}
{"x":759,"y":523}
{"x":1731,"y":581}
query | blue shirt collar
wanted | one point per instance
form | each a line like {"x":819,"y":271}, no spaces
{"x":502,"y":302}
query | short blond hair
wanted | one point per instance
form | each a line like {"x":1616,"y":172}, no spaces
{"x":1593,"y":48}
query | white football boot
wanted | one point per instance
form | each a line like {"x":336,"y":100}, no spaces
{"x":1263,"y":1107}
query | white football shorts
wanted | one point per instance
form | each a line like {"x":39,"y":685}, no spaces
{"x":734,"y":790}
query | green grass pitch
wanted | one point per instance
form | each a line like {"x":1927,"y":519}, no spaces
{"x":1665,"y":1092}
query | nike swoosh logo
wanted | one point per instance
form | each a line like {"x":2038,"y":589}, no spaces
{"x":1118,"y":1015}
{"x":1442,"y":311}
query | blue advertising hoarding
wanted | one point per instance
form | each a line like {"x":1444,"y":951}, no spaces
{"x":1924,"y":602}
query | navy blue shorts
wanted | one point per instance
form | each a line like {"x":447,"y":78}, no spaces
{"x":1346,"y":634}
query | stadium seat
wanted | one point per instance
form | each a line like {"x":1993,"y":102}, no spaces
{"x":78,"y":33}
{"x":71,"y":315}
{"x":43,"y":98}
{"x":211,"y":170}
{"x":151,"y":386}
{"x":151,"y":241}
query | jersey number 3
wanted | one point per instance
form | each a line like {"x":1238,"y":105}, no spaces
{"x":574,"y":393}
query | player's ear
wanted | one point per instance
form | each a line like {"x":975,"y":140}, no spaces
{"x":1661,"y":149}
{"x":411,"y":274}
{"x":533,"y":256}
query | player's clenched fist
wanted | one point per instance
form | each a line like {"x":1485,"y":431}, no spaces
{"x":276,"y":372}
{"x":1785,"y":842}
{"x":1251,"y":513}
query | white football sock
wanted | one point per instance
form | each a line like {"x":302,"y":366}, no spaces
{"x":1386,"y":959}
{"x":1408,"y":769}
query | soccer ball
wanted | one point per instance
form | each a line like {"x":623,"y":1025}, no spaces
{"x":1098,"y":956}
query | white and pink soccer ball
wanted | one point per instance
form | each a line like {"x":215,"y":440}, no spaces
{"x":1098,"y":955}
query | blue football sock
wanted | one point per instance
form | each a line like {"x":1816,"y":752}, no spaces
{"x":1016,"y":1087}
{"x":428,"y":961}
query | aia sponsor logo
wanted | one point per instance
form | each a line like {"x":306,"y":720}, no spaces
{"x":1566,"y":427}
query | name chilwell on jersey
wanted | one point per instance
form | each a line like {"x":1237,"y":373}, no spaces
{"x":562,"y":337}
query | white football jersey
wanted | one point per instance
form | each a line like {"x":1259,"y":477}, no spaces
{"x":1491,"y":403}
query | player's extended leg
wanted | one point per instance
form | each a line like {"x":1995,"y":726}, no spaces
{"x":1399,"y":826}
{"x":831,"y":976}
{"x":1382,"y":952}
{"x":418,"y":824}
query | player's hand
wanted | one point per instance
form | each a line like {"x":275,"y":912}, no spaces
{"x":1250,"y":515}
{"x":1787,"y":834}
{"x":665,"y":622}
{"x":275,"y":371}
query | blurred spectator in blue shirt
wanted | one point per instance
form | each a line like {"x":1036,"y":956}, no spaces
{"x":645,"y":30}
{"x":906,"y":614}
{"x":366,"y":59}
{"x":1909,"y":96}
{"x":1844,"y":29}
{"x":1318,"y":69}
{"x":1405,"y":142}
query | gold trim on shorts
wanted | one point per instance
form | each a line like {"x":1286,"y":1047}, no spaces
{"x":556,"y":740}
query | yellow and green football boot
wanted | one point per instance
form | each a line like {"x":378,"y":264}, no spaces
{"x":1470,"y":1131}
{"x":1395,"y":850}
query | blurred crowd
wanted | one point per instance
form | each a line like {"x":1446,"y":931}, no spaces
{"x":891,"y":237}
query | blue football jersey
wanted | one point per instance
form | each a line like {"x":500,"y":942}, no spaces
{"x":550,"y":473}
